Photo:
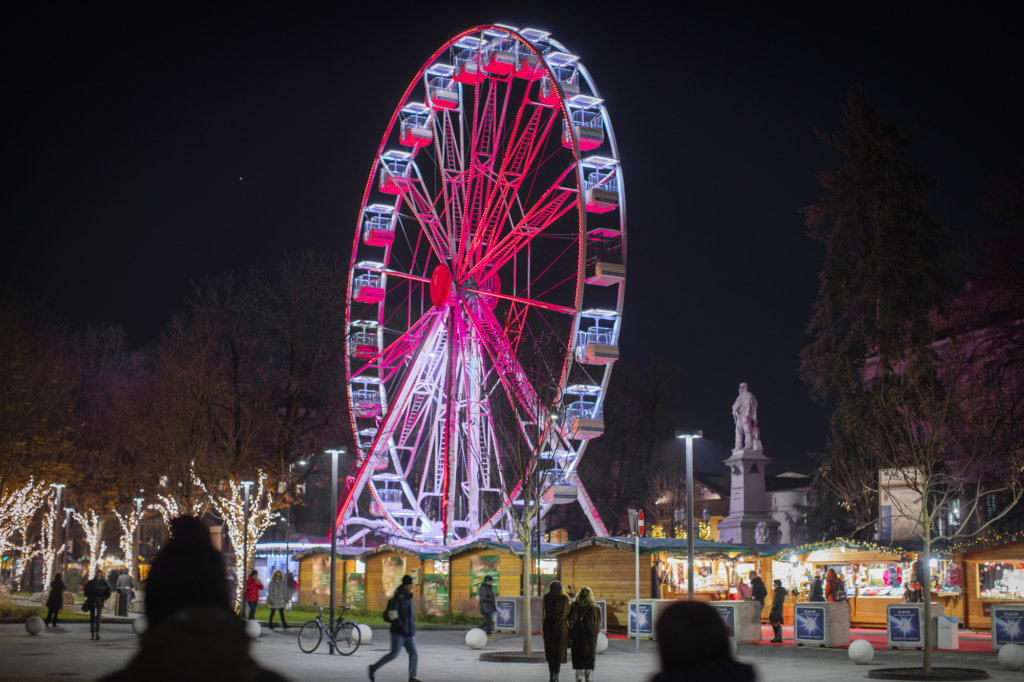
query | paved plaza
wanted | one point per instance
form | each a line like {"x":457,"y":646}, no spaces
{"x":69,"y":654}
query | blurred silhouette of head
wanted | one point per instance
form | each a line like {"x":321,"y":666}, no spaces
{"x":690,"y":633}
{"x":188,"y":571}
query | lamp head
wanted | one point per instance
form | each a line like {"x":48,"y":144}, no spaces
{"x":58,"y":486}
{"x":690,"y":433}
{"x":247,"y":483}
{"x":302,"y":462}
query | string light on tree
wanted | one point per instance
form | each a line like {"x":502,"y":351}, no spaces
{"x":93,"y":527}
{"x":47,"y":548}
{"x":129,"y":522}
{"x":17,"y":510}
{"x":231,"y":507}
{"x":168,"y":508}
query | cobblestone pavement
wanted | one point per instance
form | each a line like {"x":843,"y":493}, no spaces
{"x":67,"y":653}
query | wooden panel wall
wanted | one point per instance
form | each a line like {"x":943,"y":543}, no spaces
{"x":376,"y":599}
{"x":305,"y":586}
{"x":609,"y":572}
{"x":509,"y":581}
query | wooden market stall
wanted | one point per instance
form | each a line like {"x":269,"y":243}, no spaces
{"x":469,"y":563}
{"x":385,"y":566}
{"x":607,"y":566}
{"x":992,"y":573}
{"x":314,"y":583}
{"x":872,"y":573}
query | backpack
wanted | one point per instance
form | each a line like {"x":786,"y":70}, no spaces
{"x":841,"y":592}
{"x":392,"y":607}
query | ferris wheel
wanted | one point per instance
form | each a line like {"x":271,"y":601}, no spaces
{"x":490,"y":250}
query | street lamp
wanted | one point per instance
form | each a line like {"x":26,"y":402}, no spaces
{"x":245,"y":533}
{"x":136,"y":571}
{"x":67,"y":541}
{"x":288,"y":522}
{"x":689,"y":436}
{"x":334,"y":530}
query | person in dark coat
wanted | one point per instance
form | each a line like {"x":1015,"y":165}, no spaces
{"x":192,"y":632}
{"x":832,"y":585}
{"x":758,"y":592}
{"x":584,"y":626}
{"x":775,"y":617}
{"x":555,"y":628}
{"x":96,"y":592}
{"x":693,"y":644}
{"x":817,"y":588}
{"x":487,"y":605}
{"x":54,"y":600}
{"x":403,"y":630}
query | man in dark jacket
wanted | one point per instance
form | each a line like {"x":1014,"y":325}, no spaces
{"x":817,"y":588}
{"x":97,"y":592}
{"x":403,"y":629}
{"x":758,"y":592}
{"x":487,"y":606}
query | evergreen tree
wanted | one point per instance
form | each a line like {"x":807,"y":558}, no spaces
{"x":880,"y":280}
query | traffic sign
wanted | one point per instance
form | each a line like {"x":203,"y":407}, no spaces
{"x":640,"y":523}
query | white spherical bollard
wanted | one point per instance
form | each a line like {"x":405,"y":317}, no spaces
{"x":476,"y":638}
{"x":1011,"y":657}
{"x":34,"y":625}
{"x":365,"y":634}
{"x":861,"y":651}
{"x":602,"y":642}
{"x":253,"y":629}
{"x":139,"y":625}
{"x":734,"y":648}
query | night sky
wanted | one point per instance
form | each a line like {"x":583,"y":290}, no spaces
{"x":145,"y":147}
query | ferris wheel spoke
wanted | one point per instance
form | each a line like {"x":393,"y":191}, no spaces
{"x":417,"y":199}
{"x":522,"y":151}
{"x":391,"y":359}
{"x":432,"y":346}
{"x":553,"y":204}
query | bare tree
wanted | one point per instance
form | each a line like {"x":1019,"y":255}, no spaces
{"x":933,"y":429}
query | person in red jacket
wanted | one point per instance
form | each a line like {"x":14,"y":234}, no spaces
{"x":252,"y":592}
{"x":832,"y":585}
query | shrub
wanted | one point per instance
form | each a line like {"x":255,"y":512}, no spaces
{"x":9,"y":609}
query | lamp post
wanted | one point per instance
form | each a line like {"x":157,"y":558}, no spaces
{"x":334,"y":529}
{"x":67,"y":541}
{"x":60,"y":491}
{"x":136,"y":572}
{"x":689,"y":436}
{"x":245,"y":537}
{"x":288,"y":524}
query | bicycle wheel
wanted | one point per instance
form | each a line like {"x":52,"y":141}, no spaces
{"x":347,"y":638}
{"x":310,"y":636}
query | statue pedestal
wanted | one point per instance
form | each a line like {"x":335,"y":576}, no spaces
{"x":743,"y":529}
{"x":748,"y":502}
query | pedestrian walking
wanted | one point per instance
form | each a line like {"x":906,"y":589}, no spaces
{"x":584,"y":626}
{"x":817,"y":589}
{"x":192,"y":634}
{"x":277,"y":596}
{"x":758,"y":593}
{"x":403,"y":629}
{"x":555,"y":628}
{"x":834,"y":588}
{"x":74,"y":580}
{"x":124,"y":585}
{"x":693,"y":645}
{"x":96,"y":592}
{"x":487,"y":605}
{"x":775,"y":617}
{"x":54,"y":600}
{"x":252,"y":592}
{"x":289,"y":582}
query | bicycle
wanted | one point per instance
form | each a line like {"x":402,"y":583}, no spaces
{"x":342,"y":634}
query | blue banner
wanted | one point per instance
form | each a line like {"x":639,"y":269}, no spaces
{"x":905,"y":625}
{"x":1008,"y":625}
{"x":809,"y":622}
{"x":505,"y":617}
{"x":728,"y":614}
{"x":646,"y":625}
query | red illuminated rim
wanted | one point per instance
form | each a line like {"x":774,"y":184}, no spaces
{"x":491,"y":231}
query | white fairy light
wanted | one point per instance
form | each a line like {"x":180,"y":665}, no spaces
{"x":93,"y":526}
{"x":168,"y":508}
{"x":231,"y":507}
{"x":17,"y":511}
{"x":129,"y":522}
{"x":47,"y":548}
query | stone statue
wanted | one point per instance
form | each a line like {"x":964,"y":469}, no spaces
{"x":744,"y":414}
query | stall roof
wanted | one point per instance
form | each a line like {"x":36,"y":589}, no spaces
{"x":546,"y":548}
{"x":771,"y":551}
{"x":343,"y":552}
{"x":416,"y":552}
{"x":655,"y":545}
{"x":970,"y":544}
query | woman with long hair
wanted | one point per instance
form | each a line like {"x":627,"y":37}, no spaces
{"x":584,"y":626}
{"x":277,"y":597}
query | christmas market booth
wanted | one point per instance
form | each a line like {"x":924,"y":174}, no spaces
{"x":607,"y":566}
{"x":314,"y":583}
{"x":874,"y":575}
{"x":992,"y":574}
{"x":469,"y":564}
{"x":385,"y":566}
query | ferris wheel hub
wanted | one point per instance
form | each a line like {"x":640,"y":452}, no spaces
{"x":440,"y":285}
